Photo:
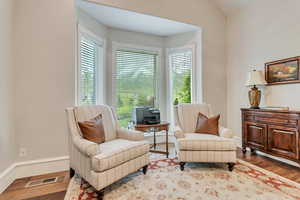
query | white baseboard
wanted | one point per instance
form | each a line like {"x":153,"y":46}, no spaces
{"x":7,"y":177}
{"x":32,"y":168}
{"x":42,"y":166}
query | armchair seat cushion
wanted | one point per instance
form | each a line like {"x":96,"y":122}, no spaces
{"x":205,"y":142}
{"x":117,"y":152}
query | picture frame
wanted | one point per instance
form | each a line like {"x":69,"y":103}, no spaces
{"x":283,"y":71}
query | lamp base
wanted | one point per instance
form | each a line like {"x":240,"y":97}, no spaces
{"x":254,"y":97}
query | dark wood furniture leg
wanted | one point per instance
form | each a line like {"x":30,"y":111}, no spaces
{"x":244,"y":150}
{"x":230,"y":166}
{"x":145,"y":168}
{"x":154,"y":139}
{"x":182,"y":165}
{"x":72,"y":172}
{"x":100,"y":194}
{"x":167,"y":143}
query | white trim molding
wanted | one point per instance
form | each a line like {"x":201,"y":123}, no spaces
{"x":32,"y":168}
{"x":7,"y":177}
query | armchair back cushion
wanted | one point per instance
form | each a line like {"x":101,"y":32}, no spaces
{"x":188,"y":115}
{"x":88,"y":112}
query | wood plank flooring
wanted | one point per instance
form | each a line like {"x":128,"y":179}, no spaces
{"x":54,"y":196}
{"x":53,"y":191}
{"x":277,"y":167}
{"x":56,"y":191}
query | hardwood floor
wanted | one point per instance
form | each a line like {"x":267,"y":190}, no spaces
{"x":52,"y":191}
{"x":277,"y":167}
{"x":54,"y":196}
{"x":56,"y":191}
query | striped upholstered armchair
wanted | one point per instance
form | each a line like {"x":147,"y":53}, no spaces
{"x":195,"y":147}
{"x":122,"y":153}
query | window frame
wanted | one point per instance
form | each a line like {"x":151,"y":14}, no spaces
{"x":195,"y":78}
{"x":130,"y":47}
{"x":100,"y":66}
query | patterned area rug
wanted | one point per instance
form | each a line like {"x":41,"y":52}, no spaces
{"x":165,"y":181}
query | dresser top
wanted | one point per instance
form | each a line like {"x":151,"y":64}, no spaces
{"x":271,"y":110}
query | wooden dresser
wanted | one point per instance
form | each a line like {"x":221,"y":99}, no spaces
{"x":272,"y":131}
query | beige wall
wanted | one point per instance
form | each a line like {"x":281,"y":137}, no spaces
{"x":7,"y":138}
{"x":202,"y":13}
{"x":45,"y":75}
{"x":266,"y":31}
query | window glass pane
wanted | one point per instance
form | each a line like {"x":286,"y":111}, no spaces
{"x":88,"y":66}
{"x":135,"y":82}
{"x":181,"y":65}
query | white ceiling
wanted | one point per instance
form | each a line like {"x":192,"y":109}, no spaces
{"x":133,"y":21}
{"x":231,"y":6}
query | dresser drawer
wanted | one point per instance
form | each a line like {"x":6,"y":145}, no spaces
{"x":249,"y":117}
{"x":269,"y":118}
{"x":281,"y":121}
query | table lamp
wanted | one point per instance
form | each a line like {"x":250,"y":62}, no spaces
{"x":255,"y":78}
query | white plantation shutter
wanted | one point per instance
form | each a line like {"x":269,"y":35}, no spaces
{"x":88,"y":71}
{"x":181,"y":66}
{"x":135,"y":79}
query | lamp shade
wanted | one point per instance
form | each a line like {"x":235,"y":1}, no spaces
{"x":255,"y":78}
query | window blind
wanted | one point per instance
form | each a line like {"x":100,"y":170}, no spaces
{"x":88,"y":65}
{"x":181,"y":65}
{"x":135,"y":82}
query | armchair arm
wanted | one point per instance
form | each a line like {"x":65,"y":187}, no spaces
{"x":178,"y":133}
{"x":86,"y":147}
{"x":130,"y":134}
{"x":225,"y":132}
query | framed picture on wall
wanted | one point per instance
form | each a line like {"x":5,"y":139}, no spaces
{"x":283,"y":71}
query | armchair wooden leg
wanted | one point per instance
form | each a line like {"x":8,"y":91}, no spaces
{"x":100,"y":194}
{"x":182,"y":165}
{"x":230,"y":166}
{"x":145,"y":168}
{"x":72,"y":172}
{"x":244,"y":150}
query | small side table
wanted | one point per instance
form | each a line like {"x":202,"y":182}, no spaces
{"x":163,"y":126}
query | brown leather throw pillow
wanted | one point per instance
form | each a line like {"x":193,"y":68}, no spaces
{"x":93,"y":129}
{"x":207,"y":125}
